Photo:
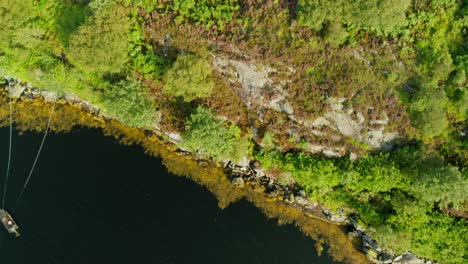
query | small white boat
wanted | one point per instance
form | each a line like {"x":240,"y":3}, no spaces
{"x":9,"y":223}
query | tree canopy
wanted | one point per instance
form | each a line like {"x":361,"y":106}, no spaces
{"x":212,"y":136}
{"x":189,"y":77}
{"x":101,"y":44}
{"x":380,"y":16}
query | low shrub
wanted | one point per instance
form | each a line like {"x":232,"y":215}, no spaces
{"x":211,"y":135}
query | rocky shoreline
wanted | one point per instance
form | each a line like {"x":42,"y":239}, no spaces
{"x":249,"y":174}
{"x":254,"y":176}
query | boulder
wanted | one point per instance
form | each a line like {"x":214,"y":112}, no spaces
{"x":239,"y":182}
{"x":50,"y":97}
{"x":244,"y":163}
{"x":301,"y":201}
{"x":175,"y":138}
{"x":90,"y":108}
{"x":302,"y":194}
{"x":409,"y":258}
{"x":17,"y":90}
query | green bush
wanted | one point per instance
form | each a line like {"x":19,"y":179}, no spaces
{"x":103,"y":39}
{"x":426,"y":233}
{"x":335,"y":34}
{"x":269,"y":141}
{"x":317,"y":176}
{"x":379,"y":16}
{"x":128,"y":102}
{"x":29,"y":49}
{"x":373,"y":175}
{"x":190,"y":77}
{"x":428,"y":110}
{"x":13,"y":16}
{"x":395,"y":193}
{"x":71,"y":15}
{"x":143,"y":58}
{"x":444,"y":185}
{"x":434,"y":59}
{"x":206,"y":12}
{"x":100,"y":45}
{"x":206,"y":133}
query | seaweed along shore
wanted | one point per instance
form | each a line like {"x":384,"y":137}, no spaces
{"x":229,"y":182}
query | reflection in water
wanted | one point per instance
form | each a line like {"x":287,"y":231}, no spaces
{"x":33,"y":116}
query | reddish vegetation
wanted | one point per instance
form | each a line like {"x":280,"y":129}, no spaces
{"x":456,"y":213}
{"x":320,"y":72}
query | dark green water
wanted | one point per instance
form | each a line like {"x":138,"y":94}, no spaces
{"x":91,"y":200}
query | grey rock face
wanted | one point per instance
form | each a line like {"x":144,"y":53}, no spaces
{"x":258,"y":89}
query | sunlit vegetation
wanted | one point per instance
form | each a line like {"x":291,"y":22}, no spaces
{"x":80,"y":47}
{"x":379,"y":16}
{"x":428,"y":109}
{"x":99,"y":45}
{"x":189,"y":77}
{"x":71,"y":16}
{"x":205,"y":12}
{"x":146,"y":62}
{"x":213,"y":137}
{"x":130,"y":103}
{"x":397,"y":194}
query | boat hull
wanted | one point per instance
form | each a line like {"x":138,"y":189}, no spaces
{"x":9,"y":223}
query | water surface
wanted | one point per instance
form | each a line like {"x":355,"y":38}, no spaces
{"x":91,"y":200}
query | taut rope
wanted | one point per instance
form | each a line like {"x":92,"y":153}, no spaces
{"x":37,"y":156}
{"x":9,"y":147}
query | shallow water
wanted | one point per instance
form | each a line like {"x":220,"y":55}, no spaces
{"x":91,"y":200}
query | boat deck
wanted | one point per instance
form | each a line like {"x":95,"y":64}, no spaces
{"x":9,"y":223}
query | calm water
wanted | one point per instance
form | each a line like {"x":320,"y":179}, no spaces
{"x":91,"y":200}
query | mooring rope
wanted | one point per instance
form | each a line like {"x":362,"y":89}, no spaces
{"x":37,"y":156}
{"x":9,"y":148}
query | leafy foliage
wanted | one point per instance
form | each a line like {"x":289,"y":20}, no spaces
{"x":205,"y":12}
{"x":211,"y":135}
{"x":437,"y":30}
{"x":130,"y":103}
{"x":100,"y":45}
{"x":189,"y":77}
{"x":335,"y":34}
{"x":394,"y":192}
{"x":76,"y":47}
{"x":428,"y":110}
{"x":143,"y":58}
{"x":444,"y":185}
{"x":110,"y":53}
{"x":70,"y":16}
{"x":379,"y":16}
{"x":316,"y":175}
{"x":374,"y":174}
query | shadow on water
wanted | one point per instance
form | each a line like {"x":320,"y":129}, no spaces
{"x":94,"y":201}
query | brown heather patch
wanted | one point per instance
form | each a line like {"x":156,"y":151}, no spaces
{"x":268,"y":35}
{"x":456,"y":213}
{"x":226,"y":102}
